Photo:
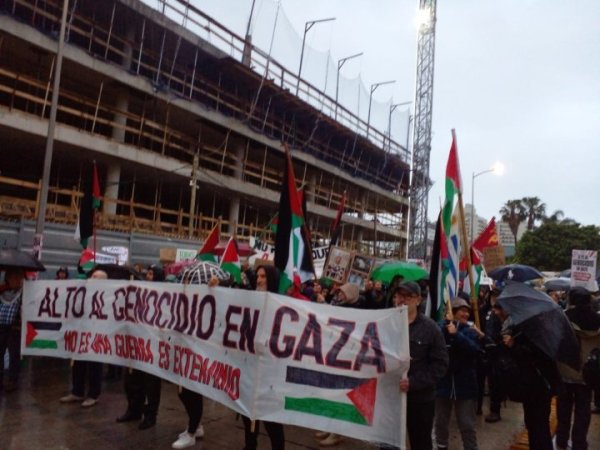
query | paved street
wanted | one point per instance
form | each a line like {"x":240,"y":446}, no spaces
{"x":33,"y":418}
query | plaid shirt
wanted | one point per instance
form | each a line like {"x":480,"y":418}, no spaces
{"x":10,"y":306}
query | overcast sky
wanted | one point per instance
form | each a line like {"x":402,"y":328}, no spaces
{"x":519,"y":80}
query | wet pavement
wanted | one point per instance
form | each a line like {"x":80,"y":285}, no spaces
{"x":33,"y":418}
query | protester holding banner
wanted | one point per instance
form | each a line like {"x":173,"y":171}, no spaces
{"x":10,"y":326}
{"x":429,"y":362}
{"x":458,"y":388}
{"x":86,"y":369}
{"x":267,"y":279}
{"x":143,"y":389}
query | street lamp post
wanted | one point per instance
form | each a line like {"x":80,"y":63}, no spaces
{"x":374,"y":87}
{"x":498,"y":169}
{"x":340,"y":63}
{"x":307,"y":26}
{"x":392,"y":109}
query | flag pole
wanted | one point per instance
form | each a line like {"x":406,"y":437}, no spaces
{"x":94,"y":211}
{"x":467,"y":250}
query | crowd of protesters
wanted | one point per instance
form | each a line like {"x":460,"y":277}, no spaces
{"x":453,"y":363}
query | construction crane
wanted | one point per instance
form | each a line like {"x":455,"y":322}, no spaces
{"x":420,"y":182}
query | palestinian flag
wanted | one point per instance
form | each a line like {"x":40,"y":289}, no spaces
{"x":438,"y":274}
{"x":336,"y":228}
{"x":453,"y":185}
{"x":207,"y":252}
{"x":290,"y":257}
{"x":87,"y":260}
{"x":230,"y":261}
{"x":43,"y":335}
{"x":272,"y":225}
{"x":340,"y":397}
{"x":87,"y":213}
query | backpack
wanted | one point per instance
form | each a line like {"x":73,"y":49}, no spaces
{"x":591,"y":369}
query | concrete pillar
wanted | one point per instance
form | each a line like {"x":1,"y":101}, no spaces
{"x":234,"y":214}
{"x":128,"y":48}
{"x":113,"y":178}
{"x":234,"y":203}
{"x":121,"y":104}
{"x":312,"y":188}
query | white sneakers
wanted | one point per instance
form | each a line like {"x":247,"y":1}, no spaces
{"x":86,"y":403}
{"x":330,"y":441}
{"x":71,"y":398}
{"x":89,"y":402}
{"x":186,"y":439}
{"x":199,"y":432}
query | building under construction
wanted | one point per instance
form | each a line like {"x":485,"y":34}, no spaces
{"x":182,"y":131}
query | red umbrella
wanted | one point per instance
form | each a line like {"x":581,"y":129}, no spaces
{"x":243,"y":249}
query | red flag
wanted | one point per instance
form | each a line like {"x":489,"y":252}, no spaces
{"x":487,"y":238}
{"x":453,"y":167}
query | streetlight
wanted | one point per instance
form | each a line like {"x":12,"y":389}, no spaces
{"x":341,"y":62}
{"x":392,"y":109}
{"x":307,"y":26}
{"x":374,"y":87}
{"x":498,"y":169}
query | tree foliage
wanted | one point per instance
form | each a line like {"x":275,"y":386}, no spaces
{"x":513,"y":212}
{"x":549,"y":246}
{"x":535,"y":210}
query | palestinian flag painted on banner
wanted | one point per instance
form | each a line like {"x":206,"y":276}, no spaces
{"x":290,"y":257}
{"x":340,"y":397}
{"x":87,"y":212}
{"x":42,"y":335}
{"x":207,"y":252}
{"x":230,"y":261}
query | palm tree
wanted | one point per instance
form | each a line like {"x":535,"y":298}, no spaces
{"x":555,"y":217}
{"x":534,"y":210}
{"x":513,"y":213}
{"x":558,"y":216}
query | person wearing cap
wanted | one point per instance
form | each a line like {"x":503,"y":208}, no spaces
{"x":574,"y":401}
{"x":458,"y":388}
{"x":428,"y":364}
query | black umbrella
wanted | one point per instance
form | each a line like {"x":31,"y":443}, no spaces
{"x":558,"y":284}
{"x":15,"y":259}
{"x":542,"y":321}
{"x":515,"y":272}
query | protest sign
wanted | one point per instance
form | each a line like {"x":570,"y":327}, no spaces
{"x":583,"y":269}
{"x":264,"y":355}
{"x":266,"y":252}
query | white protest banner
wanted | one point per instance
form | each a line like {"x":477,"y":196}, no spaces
{"x":583,"y":269}
{"x":185,"y":254}
{"x":264,"y":355}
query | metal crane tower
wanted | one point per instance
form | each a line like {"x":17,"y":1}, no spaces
{"x":420,"y":182}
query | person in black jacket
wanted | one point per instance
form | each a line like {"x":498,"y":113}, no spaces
{"x":538,"y":381}
{"x":576,"y":397}
{"x":141,"y":388}
{"x":428,"y":364}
